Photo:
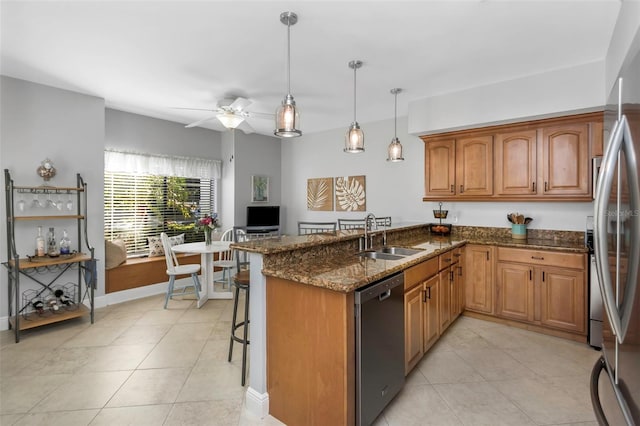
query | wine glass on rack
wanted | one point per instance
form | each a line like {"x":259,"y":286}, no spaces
{"x":50,"y":201}
{"x":36,"y":203}
{"x":69,"y":203}
{"x":59,"y":203}
{"x":21,"y":203}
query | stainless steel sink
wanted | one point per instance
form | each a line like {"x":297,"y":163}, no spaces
{"x":399,"y":251}
{"x":379,"y":255}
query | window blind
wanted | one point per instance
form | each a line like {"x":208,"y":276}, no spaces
{"x":138,"y":206}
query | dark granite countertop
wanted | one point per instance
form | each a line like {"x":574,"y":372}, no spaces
{"x":310,"y":259}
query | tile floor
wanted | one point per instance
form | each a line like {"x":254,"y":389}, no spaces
{"x":142,"y":365}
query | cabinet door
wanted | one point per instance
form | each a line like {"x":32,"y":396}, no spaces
{"x":413,"y":320}
{"x":563,"y":300}
{"x":478,"y":278}
{"x":515,"y":291}
{"x":431,"y":313}
{"x":454,"y":299}
{"x":460,"y":270}
{"x":440,"y":168}
{"x":444,"y":305}
{"x":516,"y":166}
{"x":566,"y":160}
{"x":474,"y":166}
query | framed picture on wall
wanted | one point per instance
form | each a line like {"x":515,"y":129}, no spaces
{"x":259,"y":189}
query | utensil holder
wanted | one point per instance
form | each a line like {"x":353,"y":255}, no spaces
{"x":518,"y":231}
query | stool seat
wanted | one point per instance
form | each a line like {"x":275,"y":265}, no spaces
{"x":241,"y":278}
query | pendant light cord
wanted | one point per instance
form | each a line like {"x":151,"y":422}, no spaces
{"x":354,"y":93}
{"x":395,"y":116}
{"x":288,"y":58}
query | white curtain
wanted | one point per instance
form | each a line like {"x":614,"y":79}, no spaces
{"x":161,"y":165}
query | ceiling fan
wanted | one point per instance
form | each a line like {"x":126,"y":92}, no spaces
{"x":232,"y":114}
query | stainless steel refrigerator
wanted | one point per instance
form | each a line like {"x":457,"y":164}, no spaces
{"x":615,"y":379}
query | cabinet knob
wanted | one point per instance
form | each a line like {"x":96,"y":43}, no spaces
{"x":537,"y":257}
{"x":533,"y":187}
{"x":546,"y":186}
{"x":453,"y":189}
{"x":461,"y":189}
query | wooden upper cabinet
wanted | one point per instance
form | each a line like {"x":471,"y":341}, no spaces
{"x":474,"y":166}
{"x":516,"y":165}
{"x":541,"y":160}
{"x":566,"y":160}
{"x":440,"y":168}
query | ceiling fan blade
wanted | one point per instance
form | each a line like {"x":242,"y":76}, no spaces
{"x":197,"y":123}
{"x":264,"y":115}
{"x":195,"y":109}
{"x":240,"y":104}
{"x":245,"y":127}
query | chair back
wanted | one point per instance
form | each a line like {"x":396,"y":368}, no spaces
{"x":226,"y":236}
{"x":305,"y":228}
{"x":344,"y":224}
{"x":249,"y":233}
{"x":383,"y":221}
{"x":169,"y":255}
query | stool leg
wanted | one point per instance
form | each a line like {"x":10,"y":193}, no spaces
{"x":245,"y":340}
{"x":233,"y":322}
{"x":169,"y":290}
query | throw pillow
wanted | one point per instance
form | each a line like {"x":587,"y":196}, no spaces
{"x":155,"y":244}
{"x":115,"y":253}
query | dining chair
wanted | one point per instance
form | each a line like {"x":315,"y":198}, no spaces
{"x":344,"y":224}
{"x":383,"y":221}
{"x":174,"y":268}
{"x":226,"y":260}
{"x":305,"y":228}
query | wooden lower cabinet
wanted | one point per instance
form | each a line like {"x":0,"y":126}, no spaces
{"x":562,"y":298}
{"x":543,"y":288}
{"x":444,"y":305}
{"x":478,"y":278}
{"x":431,"y":297}
{"x":514,"y":291}
{"x":413,"y":327}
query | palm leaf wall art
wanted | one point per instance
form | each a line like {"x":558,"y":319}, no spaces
{"x":351,"y":194}
{"x":320,"y":194}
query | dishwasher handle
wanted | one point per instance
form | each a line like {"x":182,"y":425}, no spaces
{"x":384,"y":295}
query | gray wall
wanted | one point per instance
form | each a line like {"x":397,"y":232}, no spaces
{"x":36,"y":122}
{"x":256,"y":155}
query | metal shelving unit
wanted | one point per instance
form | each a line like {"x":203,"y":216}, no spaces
{"x":22,"y":316}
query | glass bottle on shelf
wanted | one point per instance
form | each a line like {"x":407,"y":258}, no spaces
{"x":40,"y":250}
{"x":65,"y":243}
{"x":52,"y":244}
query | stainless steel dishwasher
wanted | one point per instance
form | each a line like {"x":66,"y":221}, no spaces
{"x":379,"y":311}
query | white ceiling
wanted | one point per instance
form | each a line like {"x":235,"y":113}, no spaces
{"x":147,"y":57}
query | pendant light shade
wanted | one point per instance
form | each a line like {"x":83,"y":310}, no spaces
{"x":394,"y":152}
{"x":287,"y":115}
{"x":354,"y":139}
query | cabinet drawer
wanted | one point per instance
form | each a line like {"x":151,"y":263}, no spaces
{"x":419,"y":273}
{"x":445,"y":260}
{"x":542,"y":257}
{"x":457,"y":254}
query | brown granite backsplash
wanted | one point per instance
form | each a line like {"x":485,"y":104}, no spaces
{"x":480,"y":233}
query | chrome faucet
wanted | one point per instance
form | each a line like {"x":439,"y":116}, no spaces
{"x":369,"y":224}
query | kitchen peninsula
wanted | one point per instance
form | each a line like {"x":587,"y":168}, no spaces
{"x":302,"y":313}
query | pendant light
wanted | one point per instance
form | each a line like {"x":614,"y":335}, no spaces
{"x":354,"y":139}
{"x":395,"y":147}
{"x":287,"y":115}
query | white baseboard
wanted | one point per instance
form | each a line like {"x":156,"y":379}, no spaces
{"x":257,"y":403}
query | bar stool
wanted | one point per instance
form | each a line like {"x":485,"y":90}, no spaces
{"x":240,"y":282}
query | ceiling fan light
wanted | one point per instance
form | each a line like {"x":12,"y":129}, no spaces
{"x":287,"y":119}
{"x":395,"y":150}
{"x":230,"y":120}
{"x":354,"y":139}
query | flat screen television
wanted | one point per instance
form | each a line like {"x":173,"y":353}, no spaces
{"x":263,"y":215}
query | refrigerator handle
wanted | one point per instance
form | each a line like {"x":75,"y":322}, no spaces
{"x":595,"y":396}
{"x":603,"y":192}
{"x":619,"y":317}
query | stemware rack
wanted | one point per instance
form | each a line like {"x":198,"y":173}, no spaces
{"x":59,"y":302}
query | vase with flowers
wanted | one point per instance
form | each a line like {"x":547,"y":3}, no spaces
{"x":208,"y":224}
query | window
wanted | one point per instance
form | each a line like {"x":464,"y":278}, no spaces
{"x":141,"y":205}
